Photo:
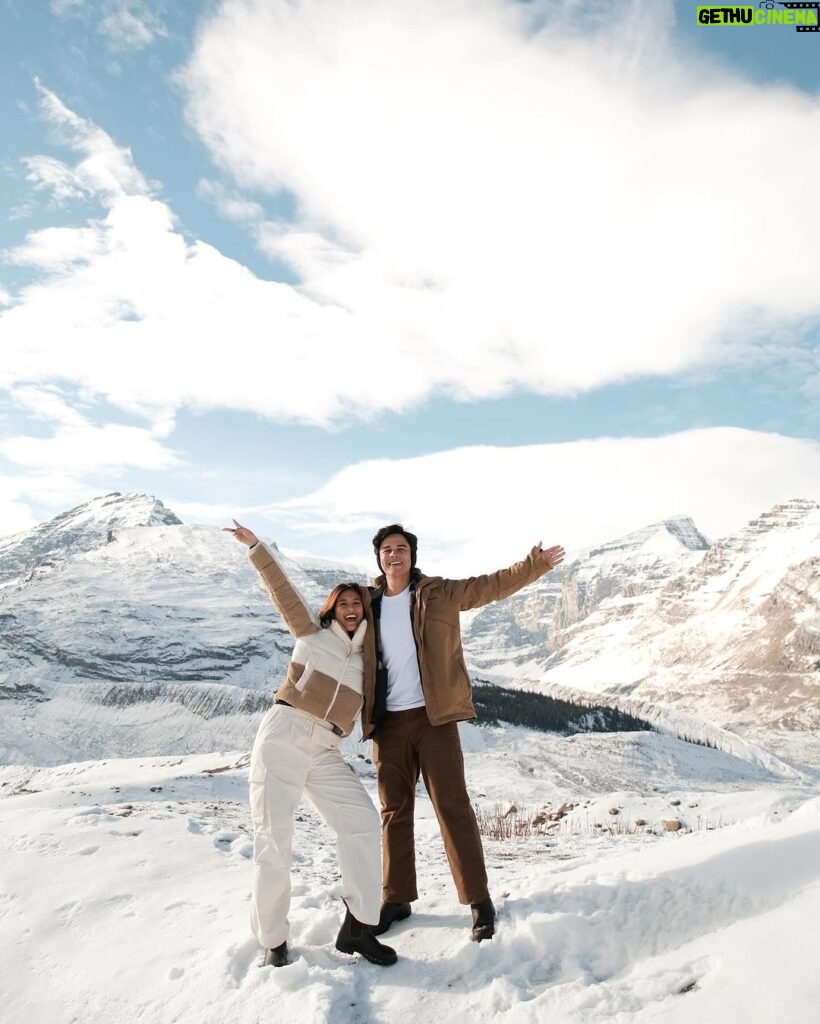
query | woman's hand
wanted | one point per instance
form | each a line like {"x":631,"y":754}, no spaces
{"x":242,"y":534}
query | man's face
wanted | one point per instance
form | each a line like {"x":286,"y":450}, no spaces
{"x":394,"y":555}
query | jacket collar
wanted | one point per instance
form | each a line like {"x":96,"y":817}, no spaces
{"x":356,"y":641}
{"x":380,"y":582}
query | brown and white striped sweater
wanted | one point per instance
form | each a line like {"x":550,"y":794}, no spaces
{"x":330,"y":673}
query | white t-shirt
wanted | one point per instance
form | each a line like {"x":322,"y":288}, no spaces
{"x":399,"y":653}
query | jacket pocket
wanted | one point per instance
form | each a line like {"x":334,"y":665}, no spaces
{"x":257,"y":793}
{"x":304,"y":678}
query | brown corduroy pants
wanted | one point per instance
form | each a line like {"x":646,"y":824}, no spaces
{"x":404,"y":745}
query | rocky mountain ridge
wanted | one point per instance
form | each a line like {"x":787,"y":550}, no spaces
{"x":124,"y":630}
{"x":533,"y":624}
{"x":734,"y":636}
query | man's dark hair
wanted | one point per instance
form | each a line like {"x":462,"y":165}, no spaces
{"x":385,"y":531}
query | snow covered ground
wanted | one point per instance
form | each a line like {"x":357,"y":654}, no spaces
{"x":124,"y":889}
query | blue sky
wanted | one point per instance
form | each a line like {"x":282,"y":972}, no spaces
{"x":286,"y":259}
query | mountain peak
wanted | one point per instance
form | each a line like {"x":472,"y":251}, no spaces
{"x":783,"y":523}
{"x":132,"y":509}
{"x":663,"y":539}
{"x":82,"y":528}
{"x":786,"y":515}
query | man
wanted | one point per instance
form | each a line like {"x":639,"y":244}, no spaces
{"x":423,"y":691}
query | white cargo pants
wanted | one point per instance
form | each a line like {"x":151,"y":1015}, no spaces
{"x":293,"y":754}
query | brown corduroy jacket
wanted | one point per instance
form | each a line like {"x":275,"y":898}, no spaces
{"x":436,"y":603}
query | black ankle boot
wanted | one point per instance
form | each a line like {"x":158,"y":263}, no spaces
{"x":355,"y":937}
{"x":277,"y":957}
{"x":390,"y":913}
{"x":483,"y":920}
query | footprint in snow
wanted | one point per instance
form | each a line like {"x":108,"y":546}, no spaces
{"x":241,"y":957}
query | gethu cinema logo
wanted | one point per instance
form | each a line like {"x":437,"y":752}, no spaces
{"x":803,"y":16}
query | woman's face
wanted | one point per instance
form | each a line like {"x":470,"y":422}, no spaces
{"x":349,"y":610}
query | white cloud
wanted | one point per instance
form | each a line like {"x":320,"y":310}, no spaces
{"x":47,"y":404}
{"x":229,"y":205}
{"x":509,"y":204}
{"x":87,"y":449}
{"x":106,"y":170}
{"x":27,"y":498}
{"x":55,"y":249}
{"x":483,"y":207}
{"x":78,"y":447}
{"x":76,"y":461}
{"x":48,"y":173}
{"x":478,"y":509}
{"x":124,"y":24}
{"x":212,"y":513}
{"x":134,"y":313}
{"x":15,"y":515}
{"x":68,"y":8}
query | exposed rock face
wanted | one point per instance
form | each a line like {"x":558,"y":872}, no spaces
{"x":518,"y":630}
{"x":759,"y":592}
{"x":733,"y":639}
{"x":630,"y":566}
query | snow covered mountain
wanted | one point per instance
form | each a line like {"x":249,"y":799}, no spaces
{"x":515,"y":636}
{"x":126,"y":632}
{"x":734,"y":638}
{"x":80,"y":529}
{"x":729,"y":632}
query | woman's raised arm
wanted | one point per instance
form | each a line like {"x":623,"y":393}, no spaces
{"x":291,"y":604}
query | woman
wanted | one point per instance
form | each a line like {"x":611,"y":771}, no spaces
{"x":296,"y":751}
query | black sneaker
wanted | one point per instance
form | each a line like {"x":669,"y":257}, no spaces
{"x":355,"y":937}
{"x":483,"y":920}
{"x":277,"y":957}
{"x":390,"y":913}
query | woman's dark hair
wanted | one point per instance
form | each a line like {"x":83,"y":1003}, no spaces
{"x":385,"y":531}
{"x":328,"y":609}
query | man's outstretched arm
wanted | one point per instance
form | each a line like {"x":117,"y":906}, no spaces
{"x":480,"y":590}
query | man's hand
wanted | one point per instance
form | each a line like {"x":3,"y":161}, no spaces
{"x":551,"y":556}
{"x":242,"y":534}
